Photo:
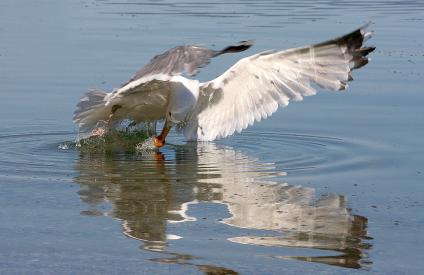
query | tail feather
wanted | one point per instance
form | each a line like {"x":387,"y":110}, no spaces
{"x":91,"y":109}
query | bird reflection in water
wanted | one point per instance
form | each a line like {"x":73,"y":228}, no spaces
{"x":148,"y":192}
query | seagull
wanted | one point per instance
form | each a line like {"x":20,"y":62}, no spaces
{"x":251,"y":90}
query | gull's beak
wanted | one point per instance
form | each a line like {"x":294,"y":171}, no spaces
{"x":159,"y":141}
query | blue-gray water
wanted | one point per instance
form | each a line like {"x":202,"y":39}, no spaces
{"x":331,"y":185}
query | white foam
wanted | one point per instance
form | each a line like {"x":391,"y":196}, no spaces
{"x":173,"y":237}
{"x":63,"y":146}
{"x":146,"y":146}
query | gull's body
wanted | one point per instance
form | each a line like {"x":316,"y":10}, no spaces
{"x":252,"y":89}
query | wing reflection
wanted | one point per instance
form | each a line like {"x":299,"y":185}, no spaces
{"x":147,"y":193}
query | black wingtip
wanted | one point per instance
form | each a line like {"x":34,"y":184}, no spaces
{"x":239,"y":47}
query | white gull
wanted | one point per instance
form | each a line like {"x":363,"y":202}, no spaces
{"x":252,"y":89}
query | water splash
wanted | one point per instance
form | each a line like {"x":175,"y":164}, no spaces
{"x":113,"y":140}
{"x":146,"y":146}
{"x":124,"y":135}
{"x":66,"y":145}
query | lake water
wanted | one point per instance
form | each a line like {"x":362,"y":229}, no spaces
{"x":331,"y":185}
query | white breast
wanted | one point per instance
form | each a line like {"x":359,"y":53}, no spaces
{"x":182,"y":99}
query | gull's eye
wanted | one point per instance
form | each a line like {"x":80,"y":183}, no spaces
{"x":169,"y":114}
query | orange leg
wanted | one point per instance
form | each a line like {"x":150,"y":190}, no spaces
{"x":159,"y":141}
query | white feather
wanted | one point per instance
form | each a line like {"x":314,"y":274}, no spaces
{"x":254,"y":87}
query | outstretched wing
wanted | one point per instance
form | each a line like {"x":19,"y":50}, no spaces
{"x":256,"y":86}
{"x":185,"y":59}
{"x":144,"y":99}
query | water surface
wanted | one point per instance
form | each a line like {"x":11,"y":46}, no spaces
{"x":329,"y":185}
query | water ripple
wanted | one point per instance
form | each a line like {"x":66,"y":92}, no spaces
{"x":292,"y":9}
